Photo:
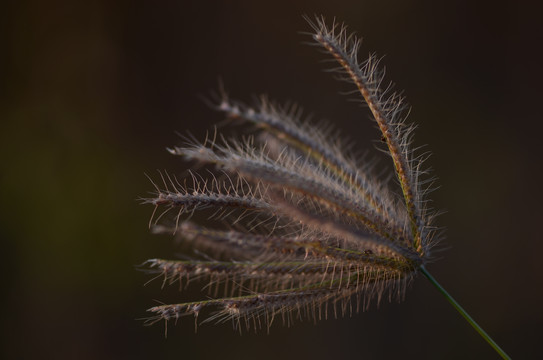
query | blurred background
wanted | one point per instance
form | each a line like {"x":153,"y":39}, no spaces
{"x":93,"y":92}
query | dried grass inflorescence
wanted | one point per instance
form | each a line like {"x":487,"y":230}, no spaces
{"x":305,"y":230}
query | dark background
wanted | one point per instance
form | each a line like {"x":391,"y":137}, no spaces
{"x":93,"y":92}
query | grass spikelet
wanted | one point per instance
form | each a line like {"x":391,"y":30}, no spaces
{"x":387,"y":109}
{"x":304,"y":231}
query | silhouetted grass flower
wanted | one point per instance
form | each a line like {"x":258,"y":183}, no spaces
{"x":306,"y":229}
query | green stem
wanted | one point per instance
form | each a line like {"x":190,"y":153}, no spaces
{"x":464,"y":313}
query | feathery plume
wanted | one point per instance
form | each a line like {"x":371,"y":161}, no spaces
{"x":310,"y":231}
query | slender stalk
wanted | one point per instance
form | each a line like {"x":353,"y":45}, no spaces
{"x":463,"y":312}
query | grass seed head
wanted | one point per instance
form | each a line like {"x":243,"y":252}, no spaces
{"x":310,"y":230}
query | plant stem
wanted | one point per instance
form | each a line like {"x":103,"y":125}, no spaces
{"x":464,"y":313}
